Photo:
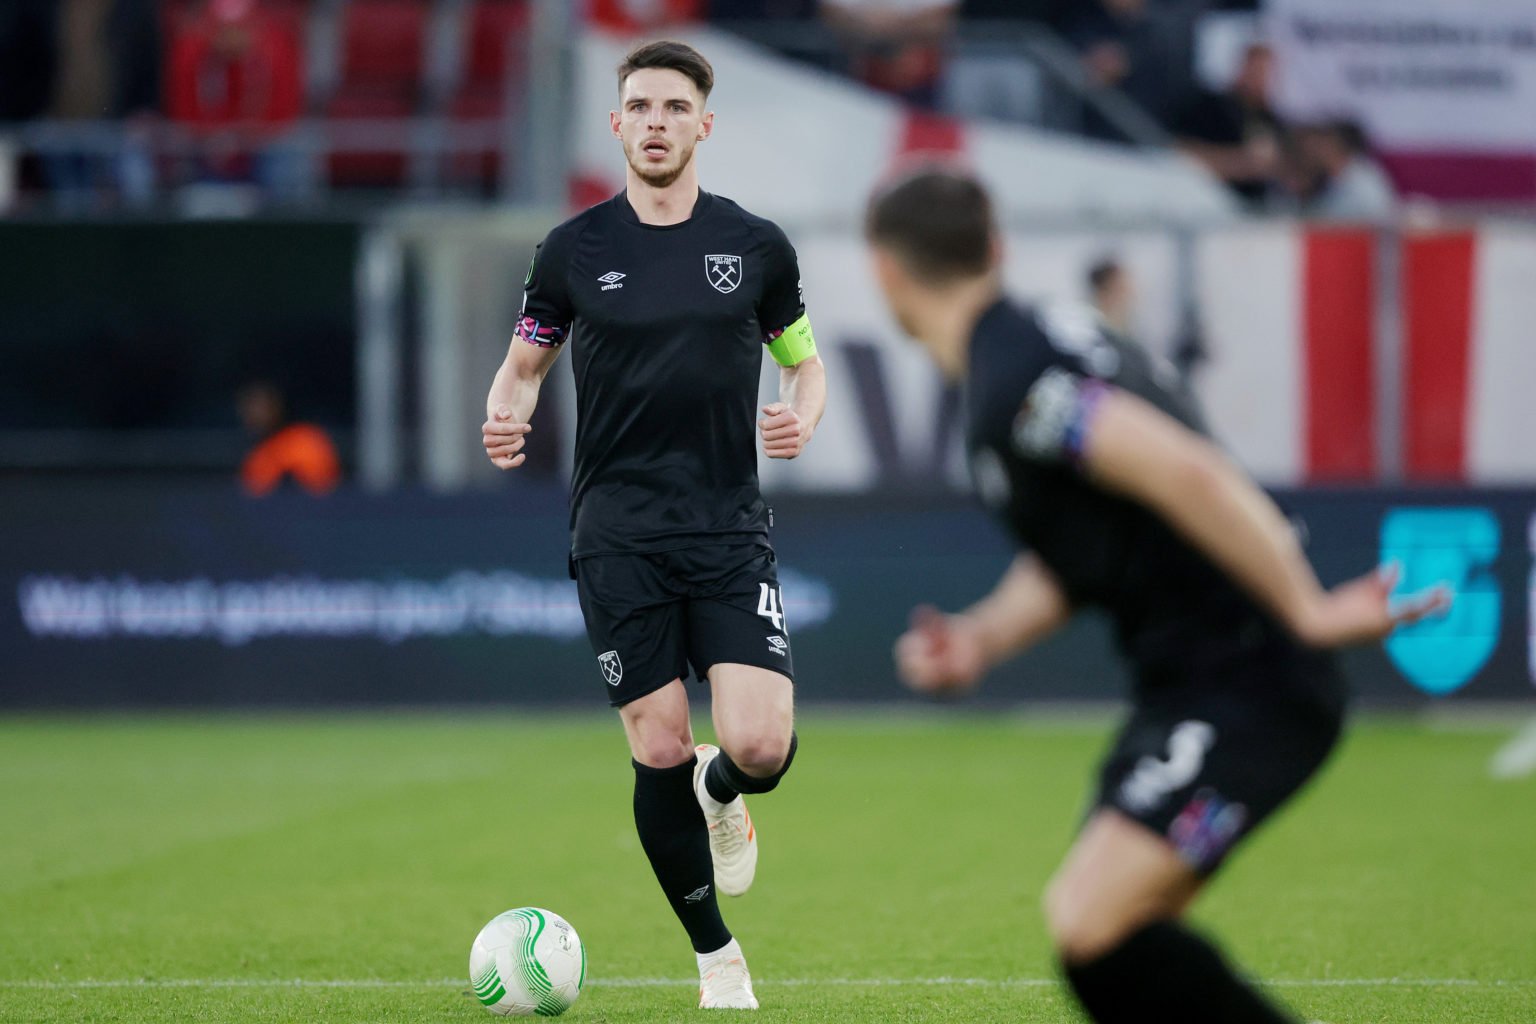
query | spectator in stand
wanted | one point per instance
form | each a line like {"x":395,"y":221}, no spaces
{"x":779,"y":25}
{"x":726,"y":11}
{"x":1348,"y":183}
{"x":235,"y":78}
{"x":896,"y":46}
{"x":1110,"y":292}
{"x":1235,"y":133}
{"x":987,"y":75}
{"x":1048,"y":12}
{"x":284,"y":451}
{"x":82,"y":91}
{"x":1143,"y":51}
{"x":642,"y":15}
{"x":133,"y":36}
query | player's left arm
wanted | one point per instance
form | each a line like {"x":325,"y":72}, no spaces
{"x":787,"y":425}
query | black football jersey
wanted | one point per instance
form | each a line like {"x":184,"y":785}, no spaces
{"x":666,"y":326}
{"x":1033,"y":379}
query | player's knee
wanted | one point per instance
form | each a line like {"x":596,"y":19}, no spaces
{"x":1081,"y":930}
{"x":762,"y":755}
{"x":662,"y":750}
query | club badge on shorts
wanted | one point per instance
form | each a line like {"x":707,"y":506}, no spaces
{"x":724,"y":272}
{"x":613,"y":668}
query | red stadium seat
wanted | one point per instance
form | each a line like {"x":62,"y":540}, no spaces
{"x":382,"y":54}
{"x":495,"y":27}
{"x":383,"y":41}
{"x":493,"y":36}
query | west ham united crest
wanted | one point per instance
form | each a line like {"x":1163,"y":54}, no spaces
{"x":724,"y":272}
{"x":613,"y":668}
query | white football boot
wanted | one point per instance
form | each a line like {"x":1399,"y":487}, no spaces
{"x":732,"y":839}
{"x":724,"y":981}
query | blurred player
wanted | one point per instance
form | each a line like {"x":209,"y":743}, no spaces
{"x":668,"y":296}
{"x":1112,"y":294}
{"x":1117,"y":499}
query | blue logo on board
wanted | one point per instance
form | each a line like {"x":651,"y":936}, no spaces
{"x":1457,"y":546}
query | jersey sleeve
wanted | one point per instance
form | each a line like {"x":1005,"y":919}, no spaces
{"x":546,"y":314}
{"x":1069,"y":366}
{"x":781,"y":307}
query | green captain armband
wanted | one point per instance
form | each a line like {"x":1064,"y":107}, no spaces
{"x":794,"y":344}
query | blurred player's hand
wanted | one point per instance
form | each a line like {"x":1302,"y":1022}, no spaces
{"x":504,"y":439}
{"x":940,"y":654}
{"x":1362,"y":610}
{"x":780,"y":427}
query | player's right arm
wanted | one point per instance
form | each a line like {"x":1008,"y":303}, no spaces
{"x":513,"y":397}
{"x":1130,"y":446}
{"x":949,"y":653}
{"x":536,"y":342}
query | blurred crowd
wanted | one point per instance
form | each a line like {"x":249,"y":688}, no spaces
{"x":967,"y":58}
{"x":230,"y":73}
{"x":232,"y":76}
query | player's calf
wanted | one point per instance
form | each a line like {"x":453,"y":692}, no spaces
{"x":1112,"y":914}
{"x":1164,"y":972}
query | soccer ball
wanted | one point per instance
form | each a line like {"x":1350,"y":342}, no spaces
{"x":527,"y":961}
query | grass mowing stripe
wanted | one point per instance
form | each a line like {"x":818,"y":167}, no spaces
{"x":127,"y":834}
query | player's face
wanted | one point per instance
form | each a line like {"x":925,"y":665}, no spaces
{"x":661,"y":119}
{"x":897,"y":285}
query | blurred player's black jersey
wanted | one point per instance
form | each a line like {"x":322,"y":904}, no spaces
{"x":667,"y":326}
{"x":1033,"y":380}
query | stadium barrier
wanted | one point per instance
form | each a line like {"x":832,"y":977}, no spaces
{"x":131,"y":595}
{"x":1323,"y":354}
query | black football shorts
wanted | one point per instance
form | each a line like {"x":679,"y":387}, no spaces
{"x":1208,"y":754}
{"x":650,"y":616}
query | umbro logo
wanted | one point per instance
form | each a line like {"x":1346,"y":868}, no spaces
{"x":611,"y":280}
{"x":697,"y":895}
{"x":778,"y":645}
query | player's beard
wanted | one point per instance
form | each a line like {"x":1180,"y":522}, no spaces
{"x":654,"y":176}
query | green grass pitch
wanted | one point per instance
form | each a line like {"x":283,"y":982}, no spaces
{"x":335,"y":868}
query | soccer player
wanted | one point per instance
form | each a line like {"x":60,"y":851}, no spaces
{"x":667,"y":296}
{"x":1102,"y":472}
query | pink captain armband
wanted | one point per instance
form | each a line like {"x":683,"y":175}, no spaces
{"x":536,"y":332}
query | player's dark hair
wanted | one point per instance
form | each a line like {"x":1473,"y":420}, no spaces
{"x":673,"y":55}
{"x":937,"y":221}
{"x":1101,"y":272}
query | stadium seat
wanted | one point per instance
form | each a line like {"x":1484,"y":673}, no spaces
{"x":492,"y":31}
{"x":381,"y":43}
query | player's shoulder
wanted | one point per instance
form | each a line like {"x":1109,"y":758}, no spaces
{"x":765,"y":230}
{"x":570,"y":229}
{"x":1010,"y":335}
{"x":1012,"y":352}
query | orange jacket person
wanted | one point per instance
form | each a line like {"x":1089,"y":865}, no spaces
{"x":301,"y":451}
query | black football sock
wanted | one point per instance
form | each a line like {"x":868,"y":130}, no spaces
{"x":724,"y":780}
{"x":676,"y":839}
{"x":1167,"y":973}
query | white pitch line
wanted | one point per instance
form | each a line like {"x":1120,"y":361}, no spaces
{"x":1517,"y":758}
{"x":442,"y":983}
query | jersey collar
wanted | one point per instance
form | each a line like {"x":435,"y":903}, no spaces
{"x":627,"y":213}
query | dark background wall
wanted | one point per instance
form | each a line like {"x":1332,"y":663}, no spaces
{"x":151,"y":326}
